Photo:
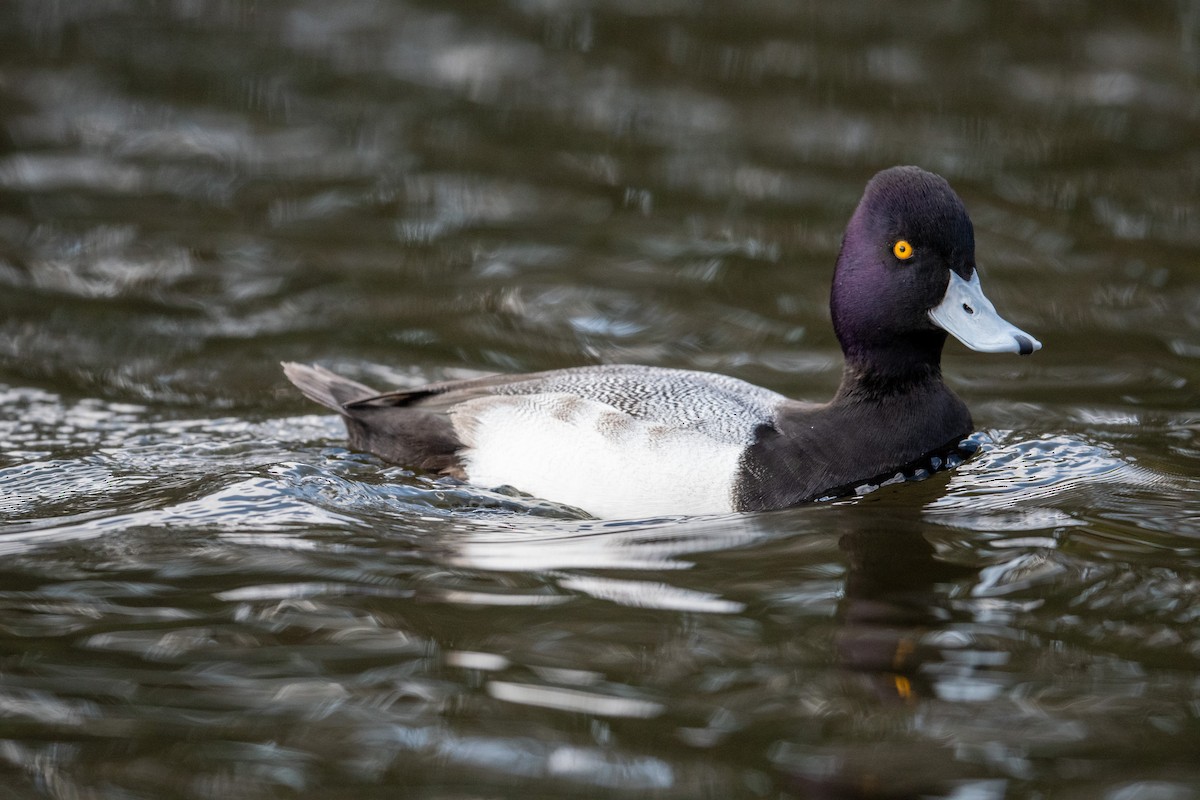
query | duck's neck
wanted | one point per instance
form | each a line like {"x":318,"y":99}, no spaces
{"x":907,"y":364}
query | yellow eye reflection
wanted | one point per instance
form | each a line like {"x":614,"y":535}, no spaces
{"x":902,"y":250}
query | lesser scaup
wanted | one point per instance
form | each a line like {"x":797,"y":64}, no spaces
{"x":633,"y":441}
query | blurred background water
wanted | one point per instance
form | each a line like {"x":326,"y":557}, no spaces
{"x":204,"y":595}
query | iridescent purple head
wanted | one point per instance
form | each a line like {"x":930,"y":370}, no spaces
{"x":906,"y":276}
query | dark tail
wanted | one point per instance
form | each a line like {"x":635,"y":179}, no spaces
{"x":327,"y":388}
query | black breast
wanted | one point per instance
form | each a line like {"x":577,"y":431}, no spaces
{"x":810,"y":453}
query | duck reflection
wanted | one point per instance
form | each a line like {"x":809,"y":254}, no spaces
{"x":805,"y":645}
{"x":890,"y":640}
{"x":891,"y":602}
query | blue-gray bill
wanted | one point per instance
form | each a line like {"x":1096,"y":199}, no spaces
{"x":967,"y":315}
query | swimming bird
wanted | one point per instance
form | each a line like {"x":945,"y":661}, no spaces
{"x":624,"y":441}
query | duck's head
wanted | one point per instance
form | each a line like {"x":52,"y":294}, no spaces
{"x":906,"y":276}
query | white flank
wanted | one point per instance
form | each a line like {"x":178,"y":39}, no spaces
{"x":592,"y":456}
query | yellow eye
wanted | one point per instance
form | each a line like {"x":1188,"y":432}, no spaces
{"x":902,"y":250}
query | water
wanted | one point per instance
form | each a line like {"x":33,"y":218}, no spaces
{"x":204,"y":595}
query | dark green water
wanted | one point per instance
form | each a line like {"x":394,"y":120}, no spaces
{"x":203,"y":595}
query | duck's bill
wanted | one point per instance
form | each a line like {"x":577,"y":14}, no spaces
{"x":971,"y":318}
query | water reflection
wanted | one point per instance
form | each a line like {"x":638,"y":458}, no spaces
{"x":894,"y":629}
{"x":642,"y":545}
{"x":889,"y":595}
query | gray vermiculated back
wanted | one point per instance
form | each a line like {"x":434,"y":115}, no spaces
{"x":724,"y":408}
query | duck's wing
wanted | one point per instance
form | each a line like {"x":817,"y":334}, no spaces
{"x":441,"y":397}
{"x":718,"y":406}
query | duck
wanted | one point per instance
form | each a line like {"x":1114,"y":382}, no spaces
{"x":631,"y":441}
